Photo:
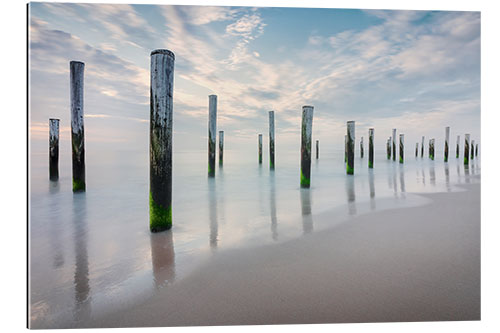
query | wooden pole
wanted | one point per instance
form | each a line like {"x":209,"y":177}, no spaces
{"x":350,"y":147}
{"x":401,"y":147}
{"x":446,"y":144}
{"x":317,"y":149}
{"x":53,"y":149}
{"x":212,"y":133}
{"x":221,"y":147}
{"x":466,"y":149}
{"x":477,"y":145}
{"x":160,"y":140}
{"x":472,"y":150}
{"x":416,"y":149}
{"x":306,"y":144}
{"x":371,"y":133}
{"x":77,"y":128}
{"x":260,"y":148}
{"x":393,"y":144}
{"x":422,"y":147}
{"x":388,"y":147}
{"x":458,"y":146}
{"x":271,"y":140}
{"x":345,"y":149}
{"x":361,"y":148}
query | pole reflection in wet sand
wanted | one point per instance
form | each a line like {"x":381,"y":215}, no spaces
{"x":402,"y":181}
{"x":82,"y":308}
{"x":305,"y":203}
{"x":351,"y":195}
{"x":55,"y":227}
{"x":212,"y":209}
{"x":162,"y":257}
{"x":447,"y":177}
{"x":371,"y":181}
{"x":432,"y":174}
{"x":272,"y":204}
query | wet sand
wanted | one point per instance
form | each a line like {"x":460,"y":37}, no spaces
{"x":411,"y":264}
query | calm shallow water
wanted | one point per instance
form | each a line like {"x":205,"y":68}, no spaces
{"x":92,"y":252}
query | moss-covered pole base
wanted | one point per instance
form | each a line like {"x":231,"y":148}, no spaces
{"x":371,"y":154}
{"x":458,"y":146}
{"x":466,"y":149}
{"x":401,"y":148}
{"x":306,"y":146}
{"x":317,"y":149}
{"x":393,"y":144}
{"x":361,"y":148}
{"x":446,"y":143}
{"x":53,"y":149}
{"x":416,"y":149}
{"x":388,"y":147}
{"x":76,"y":69}
{"x":260,"y":148}
{"x":212,"y":133}
{"x":422,"y":147}
{"x":160,"y":140}
{"x":350,"y":148}
{"x":271,"y":140}
{"x":472,"y":150}
{"x":221,"y":147}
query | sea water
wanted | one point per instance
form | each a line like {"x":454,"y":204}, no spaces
{"x":92,"y":252}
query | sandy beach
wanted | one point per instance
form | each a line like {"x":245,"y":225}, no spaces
{"x":412,"y":264}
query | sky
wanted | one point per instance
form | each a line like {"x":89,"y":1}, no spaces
{"x":417,"y":71}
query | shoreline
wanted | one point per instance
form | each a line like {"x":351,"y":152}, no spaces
{"x":405,"y":264}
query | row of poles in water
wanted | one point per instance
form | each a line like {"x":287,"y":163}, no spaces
{"x":161,"y":131}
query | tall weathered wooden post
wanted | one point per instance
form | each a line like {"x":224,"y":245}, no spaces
{"x":466,"y":149}
{"x":221,"y":147}
{"x":393,"y":144}
{"x":431,"y":155}
{"x":350,"y":148}
{"x":306,"y":145}
{"x":53,"y":149}
{"x":422,"y":147}
{"x":271,"y":139}
{"x":401,"y":148}
{"x":212,"y":133}
{"x":477,"y":145}
{"x":388,"y":147}
{"x":458,"y":146}
{"x":361,"y":148}
{"x":260,"y":148}
{"x":472,"y":150}
{"x":416,"y":149}
{"x":77,"y":128}
{"x":371,"y":133}
{"x":446,"y":144}
{"x":160,"y":140}
{"x":317,"y":149}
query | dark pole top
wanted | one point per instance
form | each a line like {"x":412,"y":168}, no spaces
{"x":77,"y":62}
{"x":55,"y":119}
{"x":163,"y":51}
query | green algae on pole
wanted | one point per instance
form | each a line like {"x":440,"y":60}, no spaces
{"x":271,"y":139}
{"x":393,"y":144}
{"x":53,"y":149}
{"x":160,"y":140}
{"x":350,"y":148}
{"x":260,"y":148}
{"x":371,"y":133}
{"x":221,"y":147}
{"x":422,"y":147}
{"x":472,"y":150}
{"x":306,"y":145}
{"x":361,"y":148}
{"x":466,"y":149}
{"x":77,"y":129}
{"x":458,"y":146}
{"x":212,"y":133}
{"x":317,"y":149}
{"x":446,"y":144}
{"x":401,"y":148}
{"x":431,"y":149}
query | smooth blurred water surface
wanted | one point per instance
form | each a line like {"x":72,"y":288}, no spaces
{"x":92,"y":252}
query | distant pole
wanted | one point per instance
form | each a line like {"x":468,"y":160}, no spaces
{"x":466,"y":149}
{"x":361,"y":148}
{"x":477,"y":145}
{"x":306,"y":144}
{"x":350,"y":148}
{"x":221,"y":147}
{"x":393,"y":144}
{"x":53,"y":149}
{"x":212,"y":133}
{"x":317,"y":149}
{"x":371,"y":132}
{"x":388,"y":146}
{"x":260,"y":148}
{"x":401,"y":147}
{"x":422,"y":147}
{"x":472,"y":150}
{"x":345,"y":148}
{"x":416,"y":149}
{"x":271,"y":139}
{"x":77,"y":132}
{"x":446,"y":144}
{"x":432,"y":149}
{"x":160,"y":140}
{"x":458,"y":146}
